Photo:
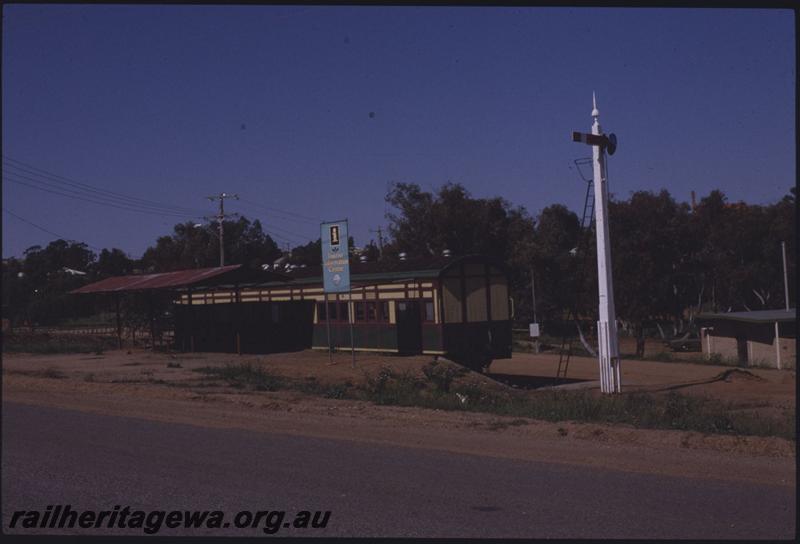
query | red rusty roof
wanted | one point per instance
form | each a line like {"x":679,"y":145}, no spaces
{"x":164,"y":280}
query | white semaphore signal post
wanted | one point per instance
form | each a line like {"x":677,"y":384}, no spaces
{"x":608,"y":344}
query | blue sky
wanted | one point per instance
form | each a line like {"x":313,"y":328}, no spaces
{"x":314,"y":110}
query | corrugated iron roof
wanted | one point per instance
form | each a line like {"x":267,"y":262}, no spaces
{"x":164,"y":280}
{"x":756,"y":316}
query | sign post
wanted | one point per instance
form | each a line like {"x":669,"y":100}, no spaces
{"x":328,"y":326}
{"x":534,"y":327}
{"x":785,"y":277}
{"x":351,"y":317}
{"x":336,"y":270}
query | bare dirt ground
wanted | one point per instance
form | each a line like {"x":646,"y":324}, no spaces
{"x":766,"y":391}
{"x":164,"y":387}
{"x":627,"y":345}
{"x":653,"y":347}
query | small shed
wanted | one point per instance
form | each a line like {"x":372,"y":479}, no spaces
{"x":169,"y":284}
{"x":756,"y":338}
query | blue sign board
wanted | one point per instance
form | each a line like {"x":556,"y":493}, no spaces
{"x":335,"y":257}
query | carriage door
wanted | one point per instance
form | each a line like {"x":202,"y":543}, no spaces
{"x":409,"y":327}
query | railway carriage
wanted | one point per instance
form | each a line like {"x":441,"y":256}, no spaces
{"x":456,"y":307}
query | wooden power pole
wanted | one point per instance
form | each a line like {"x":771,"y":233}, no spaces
{"x":220,"y":218}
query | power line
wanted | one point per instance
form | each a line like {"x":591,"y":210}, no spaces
{"x":274,"y":235}
{"x":97,"y":198}
{"x":245,"y":206}
{"x":52,"y":183}
{"x":76,"y":188}
{"x":304,"y":218}
{"x":42,"y":176}
{"x":278,"y":236}
{"x":92,"y":193}
{"x":31,"y":223}
{"x":288,"y":237}
{"x":286,"y":232}
{"x":95,"y":201}
{"x":27,"y":175}
{"x":50,"y":178}
{"x":296,"y":238}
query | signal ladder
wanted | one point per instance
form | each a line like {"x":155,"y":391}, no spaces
{"x":581,"y":255}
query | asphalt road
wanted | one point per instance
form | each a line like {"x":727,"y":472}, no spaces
{"x":95,"y":462}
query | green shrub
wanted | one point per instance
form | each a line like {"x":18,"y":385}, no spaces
{"x":375,"y":385}
{"x":472,"y":392}
{"x":246,"y":376}
{"x":335,"y":392}
{"x":442,"y":375}
{"x":389,"y":387}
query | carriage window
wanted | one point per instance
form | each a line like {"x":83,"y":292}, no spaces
{"x":428,"y":311}
{"x":371,"y":311}
{"x":344,"y":312}
{"x":359,"y":311}
{"x":276,"y":316}
{"x":321,"y":315}
{"x":384,"y":311}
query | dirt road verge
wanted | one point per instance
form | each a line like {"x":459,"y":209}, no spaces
{"x":165,"y":388}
